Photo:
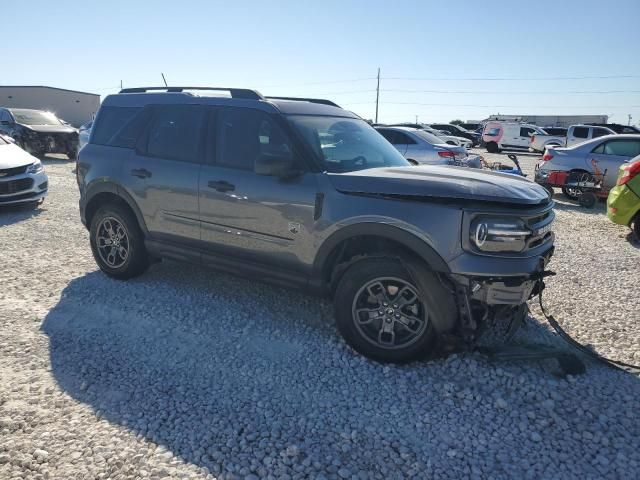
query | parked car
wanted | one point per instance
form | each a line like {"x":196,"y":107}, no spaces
{"x":471,"y":127}
{"x":610,"y":152}
{"x":623,"y":203}
{"x":448,"y":139}
{"x":457,"y":131}
{"x":83,"y":134}
{"x":618,"y":128}
{"x":575,"y":134}
{"x":421,"y":147}
{"x":39,"y":132}
{"x":498,"y":135}
{"x":22,"y":176}
{"x":308,"y":195}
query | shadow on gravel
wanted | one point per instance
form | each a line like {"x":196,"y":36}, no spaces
{"x":561,"y":203}
{"x":18,"y":213}
{"x":237,"y":376}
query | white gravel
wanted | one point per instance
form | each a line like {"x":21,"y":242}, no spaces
{"x":185,"y":373}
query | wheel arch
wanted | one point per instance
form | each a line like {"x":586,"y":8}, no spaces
{"x":356,"y":240}
{"x":110,"y":193}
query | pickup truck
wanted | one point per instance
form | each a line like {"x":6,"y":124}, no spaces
{"x":575,"y":134}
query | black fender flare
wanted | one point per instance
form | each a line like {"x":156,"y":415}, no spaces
{"x":110,"y":187}
{"x":425,"y":251}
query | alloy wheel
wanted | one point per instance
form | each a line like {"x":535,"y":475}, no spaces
{"x":112,"y":242}
{"x":388,"y":313}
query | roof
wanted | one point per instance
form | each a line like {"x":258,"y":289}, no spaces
{"x":288,"y":107}
{"x":50,"y":88}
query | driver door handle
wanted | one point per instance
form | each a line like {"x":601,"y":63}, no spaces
{"x":141,"y":173}
{"x":221,"y":185}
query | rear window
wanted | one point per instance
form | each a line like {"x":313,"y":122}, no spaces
{"x":110,"y":122}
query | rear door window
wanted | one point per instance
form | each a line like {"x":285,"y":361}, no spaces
{"x":623,"y":148}
{"x":526,"y":131}
{"x":581,"y":132}
{"x":402,"y":138}
{"x":599,"y":132}
{"x":175,"y":132}
{"x":110,"y":121}
{"x":388,"y":134}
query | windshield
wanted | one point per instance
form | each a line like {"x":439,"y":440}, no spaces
{"x":429,"y":137}
{"x":347,"y":144}
{"x":35,"y":117}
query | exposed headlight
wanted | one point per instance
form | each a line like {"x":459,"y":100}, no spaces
{"x":35,"y":167}
{"x":492,"y":234}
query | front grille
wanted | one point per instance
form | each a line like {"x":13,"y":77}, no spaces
{"x":10,"y":172}
{"x":540,"y":226}
{"x":15,"y":186}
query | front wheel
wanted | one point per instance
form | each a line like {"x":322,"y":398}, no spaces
{"x":117,"y":242}
{"x":382,"y":312}
{"x":636,"y":226}
{"x":492,"y":147}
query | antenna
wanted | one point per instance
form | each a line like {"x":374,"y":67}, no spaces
{"x":164,"y":80}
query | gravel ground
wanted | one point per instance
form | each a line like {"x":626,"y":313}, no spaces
{"x":185,"y":373}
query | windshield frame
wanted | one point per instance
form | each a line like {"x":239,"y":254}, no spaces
{"x":320,"y":161}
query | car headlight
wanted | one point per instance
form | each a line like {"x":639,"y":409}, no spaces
{"x":35,"y":167}
{"x":493,"y":234}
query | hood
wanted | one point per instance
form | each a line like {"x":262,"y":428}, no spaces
{"x":440,"y":182}
{"x":51,"y":128}
{"x":12,"y":156}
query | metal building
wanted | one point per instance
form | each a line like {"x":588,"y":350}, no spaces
{"x":552,"y":120}
{"x":72,"y":106}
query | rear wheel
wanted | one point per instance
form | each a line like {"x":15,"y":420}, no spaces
{"x":636,"y":226}
{"x":573,"y":193}
{"x":492,"y":147}
{"x":383,"y":313}
{"x":117,"y":242}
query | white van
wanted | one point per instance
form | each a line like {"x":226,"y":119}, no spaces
{"x":498,"y":135}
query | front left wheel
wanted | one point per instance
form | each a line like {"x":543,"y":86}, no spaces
{"x":117,"y":242}
{"x":383,"y":313}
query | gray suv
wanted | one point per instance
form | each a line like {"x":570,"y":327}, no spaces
{"x":304,"y":194}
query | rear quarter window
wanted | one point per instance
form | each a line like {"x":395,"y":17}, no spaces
{"x":110,"y":122}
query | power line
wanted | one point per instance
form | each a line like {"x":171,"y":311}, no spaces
{"x":494,"y":106}
{"x":585,"y":77}
{"x":481,"y":92}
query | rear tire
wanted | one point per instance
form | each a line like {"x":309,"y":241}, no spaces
{"x":117,"y":242}
{"x":636,"y":226}
{"x":383,"y":314}
{"x":492,"y":147}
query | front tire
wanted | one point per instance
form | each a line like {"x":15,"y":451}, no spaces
{"x":636,"y":226}
{"x":383,"y":313}
{"x":117,"y":242}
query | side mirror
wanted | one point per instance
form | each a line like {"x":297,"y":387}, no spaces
{"x":274,"y":164}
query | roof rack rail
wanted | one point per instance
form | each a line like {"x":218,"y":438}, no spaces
{"x":321,"y":101}
{"x":235,"y":92}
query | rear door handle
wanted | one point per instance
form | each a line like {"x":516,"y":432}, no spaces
{"x":221,"y":186}
{"x":141,"y":173}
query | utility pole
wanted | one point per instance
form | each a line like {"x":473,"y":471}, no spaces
{"x":377,"y":94}
{"x":629,"y":122}
{"x":120,"y":84}
{"x":416,"y":119}
{"x":164,"y":80}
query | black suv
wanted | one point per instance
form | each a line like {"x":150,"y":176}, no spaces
{"x":305,"y":194}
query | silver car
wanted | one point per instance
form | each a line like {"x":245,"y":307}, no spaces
{"x":605,"y":154}
{"x":421,"y":147}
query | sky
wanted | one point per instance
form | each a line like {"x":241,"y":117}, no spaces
{"x":439,"y":60}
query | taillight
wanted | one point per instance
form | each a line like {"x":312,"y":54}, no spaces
{"x":546,"y":157}
{"x":630,"y":171}
{"x":447,"y":154}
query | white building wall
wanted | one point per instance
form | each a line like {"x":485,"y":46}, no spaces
{"x":74,"y":107}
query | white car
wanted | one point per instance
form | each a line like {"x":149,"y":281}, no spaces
{"x":22,"y":176}
{"x":84,"y":132}
{"x":499,"y":135}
